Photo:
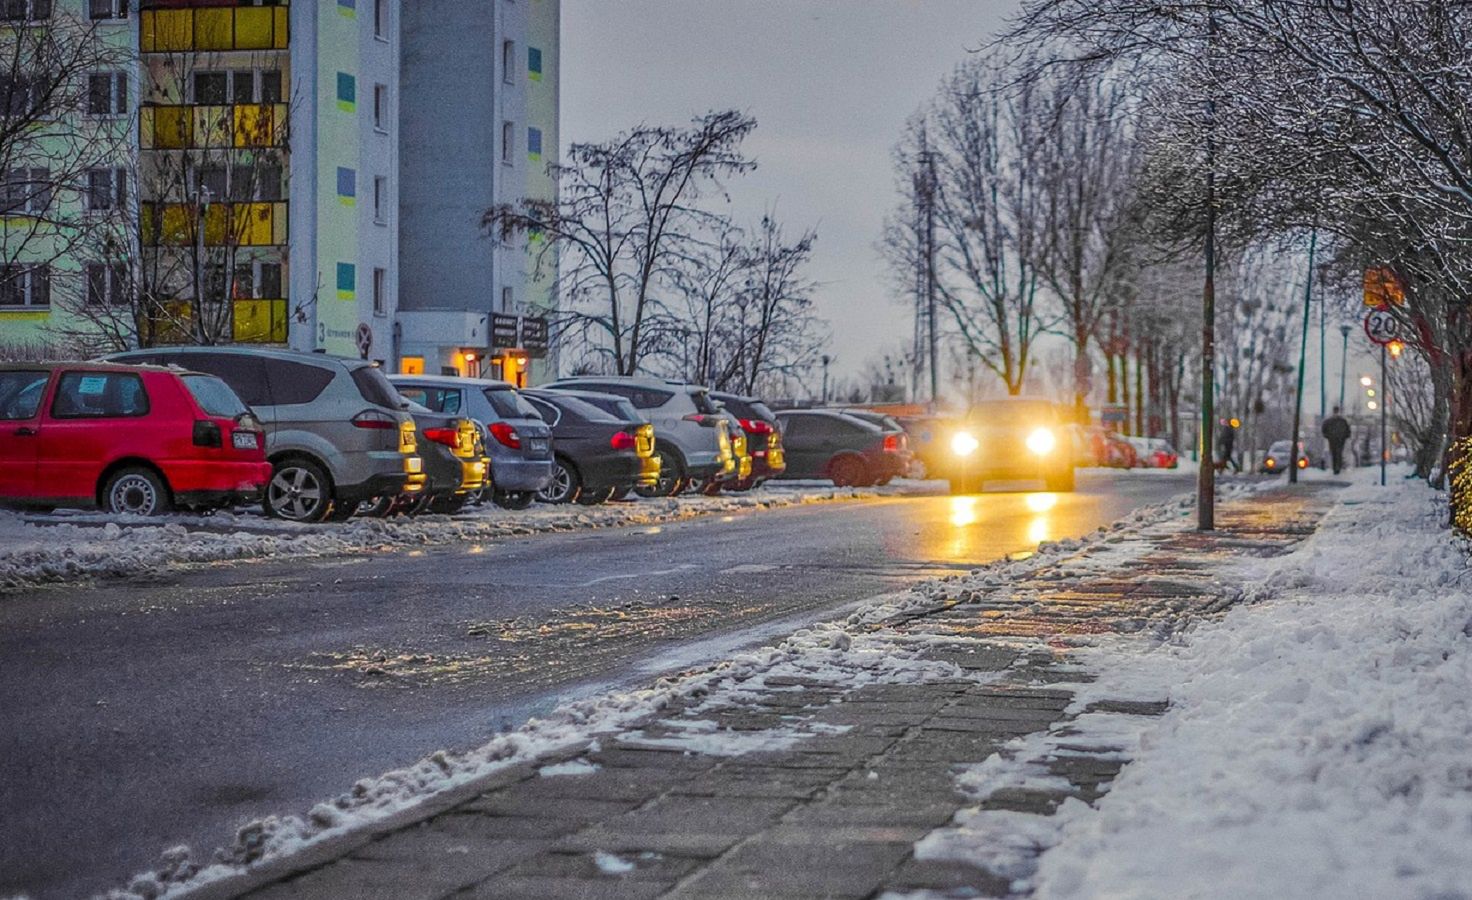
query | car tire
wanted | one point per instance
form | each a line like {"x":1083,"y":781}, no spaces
{"x":514,"y":499}
{"x":671,"y":477}
{"x":343,"y":510}
{"x":565,"y":486}
{"x":1060,"y":482}
{"x":298,"y":492}
{"x":619,"y":493}
{"x":449,"y":506}
{"x":593,"y":498}
{"x":711,"y":488}
{"x":136,"y":491}
{"x":848,"y":471}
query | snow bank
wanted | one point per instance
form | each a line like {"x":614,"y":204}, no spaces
{"x":66,"y":547}
{"x":1319,"y":740}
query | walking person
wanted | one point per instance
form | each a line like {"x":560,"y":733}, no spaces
{"x":1226,"y":444}
{"x":1336,"y":431}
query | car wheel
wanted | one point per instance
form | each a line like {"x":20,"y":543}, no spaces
{"x":342,"y":510}
{"x":298,"y":492}
{"x":846,"y":471}
{"x":449,"y":506}
{"x":619,"y":493}
{"x":594,"y":498}
{"x":711,"y":488}
{"x":513,"y":499}
{"x":671,"y":478}
{"x":137,"y":492}
{"x":565,"y":485}
{"x":1061,"y":482}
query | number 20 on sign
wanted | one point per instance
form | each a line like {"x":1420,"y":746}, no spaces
{"x":1380,"y":326}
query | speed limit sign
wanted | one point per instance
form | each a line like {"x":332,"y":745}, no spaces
{"x":1381,"y":326}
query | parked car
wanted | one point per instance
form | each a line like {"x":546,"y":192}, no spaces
{"x":519,"y":442}
{"x":928,"y":440}
{"x":1105,"y":448}
{"x":1278,"y":458}
{"x":763,"y":439}
{"x":1153,"y":453}
{"x":693,"y":440}
{"x":822,"y":443}
{"x":126,"y":439}
{"x":1012,"y":439}
{"x":620,"y":408}
{"x":890,"y":425}
{"x":337,"y":432}
{"x":455,"y":466}
{"x":597,"y":454}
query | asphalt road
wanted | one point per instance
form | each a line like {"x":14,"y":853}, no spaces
{"x":152,"y":712}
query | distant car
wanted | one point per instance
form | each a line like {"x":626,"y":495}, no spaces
{"x":1278,"y":458}
{"x":1105,"y":448}
{"x":597,"y":455}
{"x":693,"y":440}
{"x":623,"y":410}
{"x":890,"y":425}
{"x":517,"y":441}
{"x":1154,"y":453}
{"x":928,"y":439}
{"x":763,"y":439}
{"x":337,"y":432}
{"x":1014,"y":439}
{"x":850,"y":452}
{"x":126,"y":439}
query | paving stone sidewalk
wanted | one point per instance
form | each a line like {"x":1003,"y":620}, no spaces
{"x":834,"y":815}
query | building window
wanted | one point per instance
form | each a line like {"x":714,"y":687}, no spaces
{"x":380,"y":19}
{"x":25,"y":191}
{"x":25,"y":10}
{"x":506,"y":300}
{"x":25,"y":286}
{"x":107,"y":9}
{"x":534,"y":63}
{"x":508,"y":60}
{"x":270,"y":85}
{"x":107,"y":94}
{"x":23,"y":95}
{"x":380,"y":199}
{"x":107,"y":284}
{"x":380,"y":107}
{"x":508,"y":141}
{"x":380,"y":292}
{"x":211,"y":88}
{"x":107,"y":189}
{"x":347,"y":185}
{"x":347,"y":92}
{"x":237,"y":86}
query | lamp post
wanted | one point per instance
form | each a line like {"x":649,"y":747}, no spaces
{"x":826,"y":360}
{"x":1343,"y":363}
{"x":1308,"y":293}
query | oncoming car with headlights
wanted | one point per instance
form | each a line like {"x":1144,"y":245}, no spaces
{"x":1015,"y":439}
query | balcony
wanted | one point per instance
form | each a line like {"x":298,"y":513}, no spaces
{"x":252,"y":321}
{"x":212,"y":28}
{"x":187,"y":127}
{"x":259,"y":224}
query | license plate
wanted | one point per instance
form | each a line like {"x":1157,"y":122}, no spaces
{"x":538,"y":445}
{"x":244,"y":440}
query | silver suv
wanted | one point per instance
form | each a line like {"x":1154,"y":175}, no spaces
{"x":691,"y":434}
{"x":337,"y":432}
{"x":518,"y":441}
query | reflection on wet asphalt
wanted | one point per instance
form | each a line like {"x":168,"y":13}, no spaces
{"x":204,"y":699}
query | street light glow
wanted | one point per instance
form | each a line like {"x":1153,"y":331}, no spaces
{"x":1373,"y":405}
{"x":1366,"y":380}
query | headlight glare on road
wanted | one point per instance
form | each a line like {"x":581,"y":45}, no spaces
{"x":1041,"y":441}
{"x":964,"y":444}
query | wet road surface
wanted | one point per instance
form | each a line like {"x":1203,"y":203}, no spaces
{"x":152,"y":712}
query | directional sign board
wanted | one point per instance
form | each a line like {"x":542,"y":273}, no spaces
{"x":1381,"y":326}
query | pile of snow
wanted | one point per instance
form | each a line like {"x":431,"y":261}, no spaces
{"x":1318,"y":741}
{"x":40,"y":549}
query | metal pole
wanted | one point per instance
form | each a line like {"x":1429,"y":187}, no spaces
{"x":1323,"y":383}
{"x":1384,"y":402}
{"x":930,"y":272}
{"x":1205,"y":471}
{"x":1343,"y":365}
{"x":1308,"y":293}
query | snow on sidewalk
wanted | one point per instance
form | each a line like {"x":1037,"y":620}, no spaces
{"x":57,"y":548}
{"x":1318,"y":741}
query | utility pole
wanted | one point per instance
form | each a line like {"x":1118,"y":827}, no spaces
{"x":1384,"y":402}
{"x":1308,"y":293}
{"x":1323,"y":385}
{"x":1206,"y":472}
{"x":1343,"y":364}
{"x":930,"y":272}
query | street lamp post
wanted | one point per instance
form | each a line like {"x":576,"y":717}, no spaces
{"x":1343,"y":363}
{"x":826,"y":360}
{"x":1308,"y":293}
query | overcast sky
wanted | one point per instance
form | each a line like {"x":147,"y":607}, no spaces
{"x":830,"y":82}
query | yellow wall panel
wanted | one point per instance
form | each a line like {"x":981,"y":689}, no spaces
{"x":281,"y":30}
{"x":167,"y":127}
{"x":254,"y":27}
{"x":213,"y":126}
{"x":214,"y":29}
{"x":278,"y":224}
{"x":255,"y":126}
{"x":165,"y":30}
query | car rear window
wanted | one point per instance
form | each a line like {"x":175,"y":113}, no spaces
{"x":508,"y":404}
{"x":545,"y":410}
{"x":440,"y":400}
{"x":214,"y":396}
{"x":703,"y":403}
{"x":20,"y":394}
{"x":373,"y":386}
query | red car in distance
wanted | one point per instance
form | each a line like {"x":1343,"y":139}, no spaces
{"x":125,"y":439}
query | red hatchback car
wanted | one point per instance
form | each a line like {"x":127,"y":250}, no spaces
{"x":127,"y":439}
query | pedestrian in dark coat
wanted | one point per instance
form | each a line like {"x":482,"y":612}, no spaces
{"x":1336,"y":431}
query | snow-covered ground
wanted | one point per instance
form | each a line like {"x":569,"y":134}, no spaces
{"x":37,"y":549}
{"x":1318,"y":741}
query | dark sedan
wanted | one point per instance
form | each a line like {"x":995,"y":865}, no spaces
{"x":597,"y":455}
{"x":455,"y":466}
{"x":850,"y":452}
{"x":763,"y":439}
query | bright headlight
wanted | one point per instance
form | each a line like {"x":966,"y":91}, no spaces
{"x":1041,"y":441}
{"x":963,"y":444}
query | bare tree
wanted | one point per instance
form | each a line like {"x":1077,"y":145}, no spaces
{"x":626,"y":213}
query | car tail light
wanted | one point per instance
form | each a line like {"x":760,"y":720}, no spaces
{"x":756,"y":426}
{"x":506,"y":435}
{"x":891,"y":443}
{"x":703,"y":419}
{"x":207,"y":434}
{"x":375,"y":420}
{"x":447,"y":436}
{"x":623,"y":440}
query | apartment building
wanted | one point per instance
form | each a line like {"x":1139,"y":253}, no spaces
{"x":304,"y":172}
